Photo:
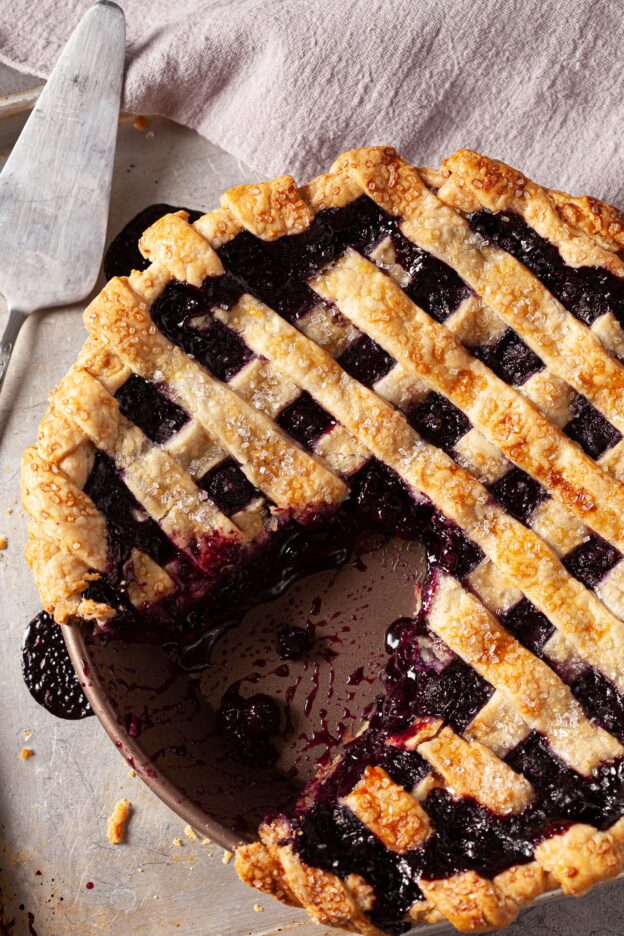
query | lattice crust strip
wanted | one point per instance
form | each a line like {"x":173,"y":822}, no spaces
{"x":511,"y":425}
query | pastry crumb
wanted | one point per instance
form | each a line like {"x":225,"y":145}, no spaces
{"x":27,"y":733}
{"x":26,"y":753}
{"x":177,"y":843}
{"x":3,"y":542}
{"x":258,"y":908}
{"x":206,"y":841}
{"x":190,"y":833}
{"x":227,"y":857}
{"x":140,"y":123}
{"x":132,"y":773}
{"x":116,"y":824}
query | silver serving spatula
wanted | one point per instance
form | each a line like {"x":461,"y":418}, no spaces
{"x":55,"y":185}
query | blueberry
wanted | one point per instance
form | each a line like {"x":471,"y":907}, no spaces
{"x":293,"y":642}
{"x":257,"y":752}
{"x":393,"y":634}
{"x":260,"y":716}
{"x":229,"y":713}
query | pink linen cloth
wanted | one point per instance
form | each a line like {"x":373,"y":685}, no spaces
{"x":287,"y":85}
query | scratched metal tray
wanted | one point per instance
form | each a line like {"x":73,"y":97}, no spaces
{"x":54,"y":806}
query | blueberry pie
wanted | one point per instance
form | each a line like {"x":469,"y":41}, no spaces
{"x":430,"y":353}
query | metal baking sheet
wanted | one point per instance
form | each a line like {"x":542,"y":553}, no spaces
{"x":53,"y":807}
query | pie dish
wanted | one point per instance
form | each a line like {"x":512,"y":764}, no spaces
{"x":432,"y":353}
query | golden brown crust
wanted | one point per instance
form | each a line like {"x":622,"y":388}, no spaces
{"x":470,"y":769}
{"x":388,"y":811}
{"x":325,"y":897}
{"x":593,"y":217}
{"x":184,"y":252}
{"x":581,"y":857}
{"x":269,"y":210}
{"x":257,"y":868}
{"x":117,"y":822}
{"x":471,"y":903}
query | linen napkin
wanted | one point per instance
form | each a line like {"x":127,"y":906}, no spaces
{"x":287,"y":85}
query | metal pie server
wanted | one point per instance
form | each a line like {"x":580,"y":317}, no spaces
{"x":55,"y":185}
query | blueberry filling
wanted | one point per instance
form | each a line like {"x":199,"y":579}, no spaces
{"x":439,"y":421}
{"x":518,"y":493}
{"x":365,"y":360}
{"x":510,"y":358}
{"x":249,"y":724}
{"x":211,"y":342}
{"x":332,"y":838}
{"x":591,"y":561}
{"x":293,"y":642}
{"x":129,"y":526}
{"x":433,"y":286}
{"x":528,"y":625}
{"x":305,"y":420}
{"x":228,"y":487}
{"x":593,"y":432}
{"x":268,"y":269}
{"x":381,"y":499}
{"x":148,"y":408}
{"x":601,"y":700}
{"x":416,"y":686}
{"x":468,"y":835}
{"x":449,"y":549}
{"x":567,"y":795}
{"x":588,"y":292}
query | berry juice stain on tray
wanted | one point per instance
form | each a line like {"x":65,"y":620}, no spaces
{"x":48,"y":671}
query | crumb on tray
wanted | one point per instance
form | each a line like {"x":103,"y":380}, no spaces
{"x":227,"y":856}
{"x":26,"y":753}
{"x":3,"y":542}
{"x":177,"y":843}
{"x":140,"y":123}
{"x":116,"y":825}
{"x":190,"y":833}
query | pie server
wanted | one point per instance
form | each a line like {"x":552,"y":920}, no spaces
{"x":55,"y":185}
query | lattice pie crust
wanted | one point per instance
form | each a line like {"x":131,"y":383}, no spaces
{"x":527,"y":424}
